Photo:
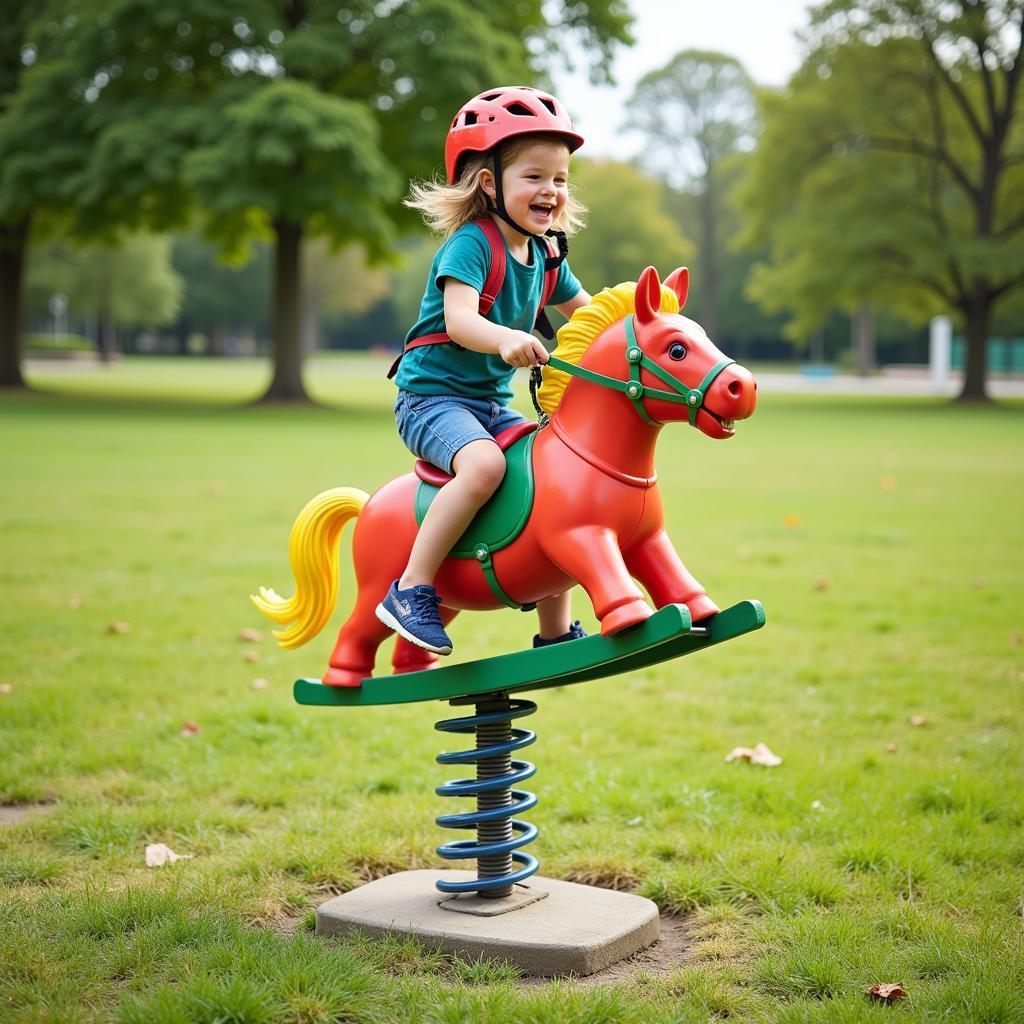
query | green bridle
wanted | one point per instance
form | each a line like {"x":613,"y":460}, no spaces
{"x":692,"y":398}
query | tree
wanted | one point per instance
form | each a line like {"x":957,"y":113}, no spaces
{"x":16,"y":53}
{"x":889,"y":169}
{"x":696,"y":112}
{"x":283,"y":120}
{"x":628,"y":226}
{"x":131,"y":285}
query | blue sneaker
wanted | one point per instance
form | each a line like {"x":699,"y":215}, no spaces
{"x":576,"y":632}
{"x":413,"y":614}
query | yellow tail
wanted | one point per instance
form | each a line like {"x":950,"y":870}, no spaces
{"x":313,"y":551}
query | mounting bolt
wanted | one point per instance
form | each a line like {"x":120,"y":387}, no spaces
{"x":634,"y":390}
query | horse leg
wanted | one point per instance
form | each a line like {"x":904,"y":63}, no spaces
{"x":590,"y":555}
{"x":358,"y":640}
{"x":657,"y":565}
{"x":408,"y":657}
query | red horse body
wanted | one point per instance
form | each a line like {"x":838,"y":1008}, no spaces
{"x":597,"y":512}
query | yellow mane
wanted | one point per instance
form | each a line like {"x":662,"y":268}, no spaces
{"x":575,"y":337}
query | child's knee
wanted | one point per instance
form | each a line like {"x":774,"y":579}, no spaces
{"x":480,"y":466}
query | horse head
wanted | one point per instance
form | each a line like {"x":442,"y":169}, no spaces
{"x":704,"y":385}
{"x":637,"y":343}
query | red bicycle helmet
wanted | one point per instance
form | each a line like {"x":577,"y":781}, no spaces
{"x":503,"y":113}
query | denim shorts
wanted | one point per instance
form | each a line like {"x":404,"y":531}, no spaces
{"x":435,"y":427}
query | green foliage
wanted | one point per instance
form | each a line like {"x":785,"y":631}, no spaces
{"x":134,"y":284}
{"x":885,"y":172}
{"x":628,"y":227}
{"x":697,"y":115}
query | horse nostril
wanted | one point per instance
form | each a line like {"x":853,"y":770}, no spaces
{"x":735,"y":388}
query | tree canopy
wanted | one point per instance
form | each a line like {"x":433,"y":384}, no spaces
{"x":889,"y":170}
{"x":278,"y":121}
{"x":696,"y":113}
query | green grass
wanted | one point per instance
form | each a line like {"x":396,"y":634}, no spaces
{"x":884,"y":537}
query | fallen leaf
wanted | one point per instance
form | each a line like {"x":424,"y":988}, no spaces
{"x":5,"y":688}
{"x":260,"y":684}
{"x":887,"y":482}
{"x":74,"y":603}
{"x":890,"y":748}
{"x":888,"y":993}
{"x":821,"y":583}
{"x":791,"y":521}
{"x":1016,"y":639}
{"x":252,"y":656}
{"x":758,"y":755}
{"x":118,"y":627}
{"x":189,"y":728}
{"x":916,"y":720}
{"x":159,"y":854}
{"x":252,"y":635}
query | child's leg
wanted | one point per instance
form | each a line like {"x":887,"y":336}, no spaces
{"x":554,"y":614}
{"x":479,"y":468}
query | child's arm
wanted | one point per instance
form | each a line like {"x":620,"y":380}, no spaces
{"x":581,"y":298}
{"x":466,"y":326}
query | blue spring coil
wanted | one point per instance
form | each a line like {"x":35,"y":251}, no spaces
{"x":495,"y":847}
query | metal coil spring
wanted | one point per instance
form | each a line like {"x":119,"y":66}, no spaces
{"x":496,"y":846}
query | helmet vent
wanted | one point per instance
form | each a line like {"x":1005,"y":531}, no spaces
{"x":470,"y":117}
{"x":548,"y":103}
{"x":492,"y":96}
{"x":521,"y":109}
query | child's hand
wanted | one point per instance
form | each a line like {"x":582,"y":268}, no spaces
{"x":522,"y":349}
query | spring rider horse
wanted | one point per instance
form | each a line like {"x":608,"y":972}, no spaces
{"x":579,"y":504}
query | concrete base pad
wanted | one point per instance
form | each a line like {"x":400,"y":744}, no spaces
{"x":576,"y":929}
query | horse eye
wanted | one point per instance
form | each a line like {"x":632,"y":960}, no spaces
{"x":677,"y":351}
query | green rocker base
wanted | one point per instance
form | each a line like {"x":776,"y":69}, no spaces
{"x":665,"y":635}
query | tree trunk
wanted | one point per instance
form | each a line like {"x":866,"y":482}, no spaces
{"x":13,"y":247}
{"x":286,"y":385}
{"x":978,"y":313}
{"x":864,"y":340}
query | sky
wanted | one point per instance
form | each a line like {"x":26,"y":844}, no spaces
{"x":760,"y":33}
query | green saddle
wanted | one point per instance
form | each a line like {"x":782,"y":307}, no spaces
{"x":500,"y":521}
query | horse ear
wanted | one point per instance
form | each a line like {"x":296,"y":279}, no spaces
{"x":679,"y":282}
{"x":648,"y":296}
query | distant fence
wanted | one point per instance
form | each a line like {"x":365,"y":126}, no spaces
{"x":1005,"y":355}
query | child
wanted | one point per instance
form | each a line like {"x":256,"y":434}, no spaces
{"x":507,"y":158}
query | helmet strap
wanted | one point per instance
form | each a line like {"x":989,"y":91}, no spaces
{"x":499,"y":207}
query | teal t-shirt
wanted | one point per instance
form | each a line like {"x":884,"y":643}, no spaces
{"x":444,"y":369}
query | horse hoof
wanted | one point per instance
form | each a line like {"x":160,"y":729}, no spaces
{"x":624,"y":616}
{"x":343,"y":677}
{"x":702,"y":608}
{"x":416,"y":666}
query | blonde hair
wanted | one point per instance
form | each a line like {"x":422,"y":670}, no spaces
{"x":445,"y":208}
{"x":588,"y":322}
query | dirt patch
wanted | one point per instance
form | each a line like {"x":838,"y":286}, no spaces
{"x":15,"y":814}
{"x":672,"y":950}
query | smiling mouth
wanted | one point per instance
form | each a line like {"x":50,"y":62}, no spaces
{"x":542,"y":211}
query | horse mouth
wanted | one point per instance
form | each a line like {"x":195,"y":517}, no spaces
{"x":729,"y":426}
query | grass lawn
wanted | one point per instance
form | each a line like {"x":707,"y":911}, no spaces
{"x":140,"y":507}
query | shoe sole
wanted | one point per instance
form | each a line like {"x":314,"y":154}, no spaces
{"x":392,"y":623}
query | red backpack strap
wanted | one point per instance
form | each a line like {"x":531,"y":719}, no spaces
{"x":492,"y":285}
{"x":496,"y":275}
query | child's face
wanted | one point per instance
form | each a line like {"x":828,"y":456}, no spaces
{"x":536,"y":185}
